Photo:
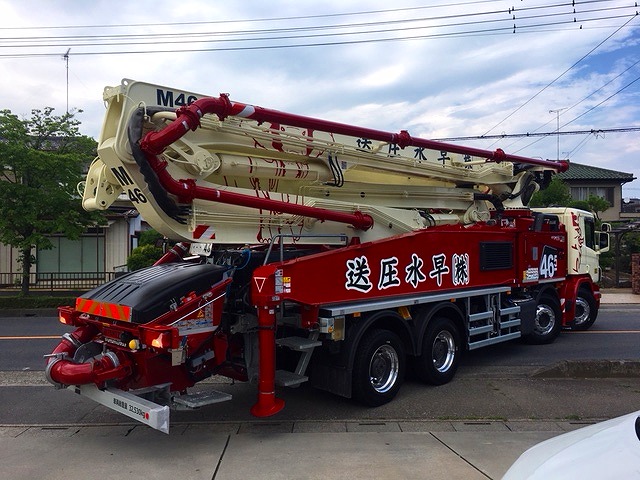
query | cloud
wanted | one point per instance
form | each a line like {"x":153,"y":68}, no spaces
{"x":444,"y":87}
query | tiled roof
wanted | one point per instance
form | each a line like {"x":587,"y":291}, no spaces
{"x":578,"y":171}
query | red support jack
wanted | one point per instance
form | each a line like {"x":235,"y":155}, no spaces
{"x":267,"y":404}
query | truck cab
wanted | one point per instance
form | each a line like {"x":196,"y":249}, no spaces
{"x":585,"y":243}
{"x":580,"y":296}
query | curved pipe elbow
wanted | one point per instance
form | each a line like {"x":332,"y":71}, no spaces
{"x":188,"y":118}
{"x":61,"y":370}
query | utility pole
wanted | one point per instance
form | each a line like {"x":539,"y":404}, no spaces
{"x":66,"y":59}
{"x":557,"y":112}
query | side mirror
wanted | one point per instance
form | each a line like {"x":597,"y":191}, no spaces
{"x":603,"y":242}
{"x":605,"y":227}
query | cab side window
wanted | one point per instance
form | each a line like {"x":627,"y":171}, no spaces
{"x":590,"y":233}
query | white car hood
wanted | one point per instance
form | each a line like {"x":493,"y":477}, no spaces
{"x":608,"y":449}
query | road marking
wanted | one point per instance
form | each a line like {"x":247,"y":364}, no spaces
{"x":37,"y":337}
{"x":607,"y":331}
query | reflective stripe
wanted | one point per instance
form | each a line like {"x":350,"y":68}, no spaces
{"x":242,"y":110}
{"x":104,"y":309}
{"x":204,"y":231}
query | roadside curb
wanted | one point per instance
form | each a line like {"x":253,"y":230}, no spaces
{"x":311,"y":426}
{"x":590,"y":369}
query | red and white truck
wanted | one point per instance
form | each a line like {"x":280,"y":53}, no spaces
{"x":311,"y":250}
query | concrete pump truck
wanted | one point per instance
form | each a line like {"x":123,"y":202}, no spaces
{"x":310,"y":250}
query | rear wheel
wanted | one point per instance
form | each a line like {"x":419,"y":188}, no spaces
{"x":440,"y":352}
{"x":379,"y":367}
{"x":586,"y":310}
{"x":548,"y":321}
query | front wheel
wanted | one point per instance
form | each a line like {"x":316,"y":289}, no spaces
{"x":440,"y":352}
{"x":586,"y":310}
{"x":548,"y":321}
{"x":379,"y":366}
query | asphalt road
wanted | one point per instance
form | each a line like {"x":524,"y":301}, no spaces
{"x":614,"y":336}
{"x":492,"y":383}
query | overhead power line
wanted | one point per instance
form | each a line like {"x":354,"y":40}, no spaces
{"x":510,"y":11}
{"x":275,"y":34}
{"x":593,"y":131}
{"x":470,"y":33}
{"x":136,"y":38}
{"x":586,"y":112}
{"x":562,"y":74}
{"x":481,"y":23}
{"x":584,"y":99}
{"x":270,"y":19}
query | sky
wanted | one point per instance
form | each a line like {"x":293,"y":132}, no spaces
{"x":440,"y":69}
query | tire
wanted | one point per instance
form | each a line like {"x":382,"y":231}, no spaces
{"x":439,"y":360}
{"x":586,"y":310}
{"x":379,"y":368}
{"x":548,"y":321}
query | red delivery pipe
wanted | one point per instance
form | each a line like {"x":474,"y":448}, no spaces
{"x":186,"y":190}
{"x":189,"y":119}
{"x":66,"y":372}
{"x":61,"y":370}
{"x":177,"y":252}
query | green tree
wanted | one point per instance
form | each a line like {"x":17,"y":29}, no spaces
{"x":147,"y":251}
{"x":150,"y":237}
{"x":41,"y":162}
{"x":557,"y":194}
{"x":595,"y":204}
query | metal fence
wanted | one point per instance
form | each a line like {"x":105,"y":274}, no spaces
{"x":55,"y":281}
{"x":82,"y":281}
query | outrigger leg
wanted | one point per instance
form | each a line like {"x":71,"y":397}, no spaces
{"x":267,"y":404}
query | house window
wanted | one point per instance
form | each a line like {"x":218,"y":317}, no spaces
{"x":85,"y":255}
{"x":583,"y":193}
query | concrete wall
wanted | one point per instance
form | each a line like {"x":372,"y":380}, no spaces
{"x":117,"y":244}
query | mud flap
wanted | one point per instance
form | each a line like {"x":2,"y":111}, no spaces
{"x":527,"y":314}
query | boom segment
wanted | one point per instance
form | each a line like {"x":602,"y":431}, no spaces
{"x":243,"y":173}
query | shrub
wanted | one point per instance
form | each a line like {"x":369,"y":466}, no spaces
{"x":34,"y":301}
{"x":143,"y":256}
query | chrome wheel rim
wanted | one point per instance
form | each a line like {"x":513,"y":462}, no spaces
{"x":583,"y":311}
{"x":545,"y":319}
{"x":384,"y":368}
{"x":443,"y":352}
